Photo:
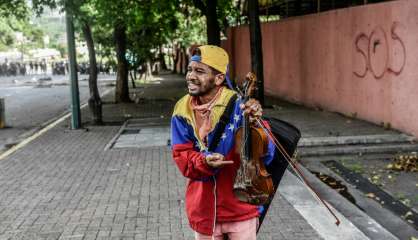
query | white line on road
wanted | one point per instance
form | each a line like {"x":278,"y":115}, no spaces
{"x":40,"y":132}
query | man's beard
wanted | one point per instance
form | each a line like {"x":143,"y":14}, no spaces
{"x":204,"y":91}
{"x":195,"y":94}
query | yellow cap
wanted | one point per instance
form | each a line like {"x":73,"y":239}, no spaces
{"x":215,"y":57}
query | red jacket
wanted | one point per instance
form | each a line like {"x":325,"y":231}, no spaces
{"x":208,"y":187}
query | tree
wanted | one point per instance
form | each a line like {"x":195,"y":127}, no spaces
{"x":156,"y":28}
{"x":118,"y":15}
{"x":191,"y":29}
{"x":209,"y":11}
{"x":83,"y":14}
{"x":218,"y":14}
{"x":139,"y":31}
{"x":298,"y":7}
{"x":256,"y":48}
{"x":95,"y":103}
{"x":122,"y":88}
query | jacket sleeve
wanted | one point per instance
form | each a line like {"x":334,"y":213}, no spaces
{"x":189,"y":160}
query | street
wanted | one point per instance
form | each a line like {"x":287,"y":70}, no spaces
{"x":30,"y":103}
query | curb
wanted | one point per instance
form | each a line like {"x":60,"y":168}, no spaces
{"x":358,"y":139}
{"x":356,"y":149}
{"x":365,"y":227}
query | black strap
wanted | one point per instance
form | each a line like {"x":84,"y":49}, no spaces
{"x":222,"y":123}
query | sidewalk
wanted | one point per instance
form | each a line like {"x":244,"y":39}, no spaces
{"x":74,"y":185}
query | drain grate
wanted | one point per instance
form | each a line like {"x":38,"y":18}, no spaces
{"x":142,"y":133}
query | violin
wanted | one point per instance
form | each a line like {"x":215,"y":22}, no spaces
{"x":253,"y":184}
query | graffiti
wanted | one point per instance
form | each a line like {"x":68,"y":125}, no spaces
{"x":377,"y":54}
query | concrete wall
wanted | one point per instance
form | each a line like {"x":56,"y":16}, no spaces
{"x":361,"y":60}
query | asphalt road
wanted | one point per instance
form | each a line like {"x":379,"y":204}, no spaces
{"x":30,"y":103}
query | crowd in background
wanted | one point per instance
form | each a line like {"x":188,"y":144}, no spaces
{"x":54,"y":68}
{"x":84,"y":68}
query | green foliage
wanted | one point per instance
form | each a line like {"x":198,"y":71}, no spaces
{"x":228,"y":14}
{"x":38,"y":6}
{"x":62,"y":48}
{"x":10,"y":10}
{"x":16,"y":8}
{"x":149,"y":24}
{"x":191,"y":28}
{"x":6,"y":35}
{"x":154,"y":26}
{"x":10,"y":27}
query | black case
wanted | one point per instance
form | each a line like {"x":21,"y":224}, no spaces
{"x":288,"y":136}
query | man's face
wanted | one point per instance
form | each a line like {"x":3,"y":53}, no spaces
{"x":200,"y":79}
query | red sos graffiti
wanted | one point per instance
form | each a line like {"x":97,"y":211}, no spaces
{"x":378,"y":53}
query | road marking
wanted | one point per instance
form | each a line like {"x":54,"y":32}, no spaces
{"x":40,"y":132}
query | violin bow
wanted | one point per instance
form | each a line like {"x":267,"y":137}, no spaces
{"x":296,"y":169}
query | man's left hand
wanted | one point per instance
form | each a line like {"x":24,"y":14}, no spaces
{"x":253,"y":108}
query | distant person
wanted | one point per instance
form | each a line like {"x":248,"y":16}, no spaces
{"x":23,"y":69}
{"x":4,"y":69}
{"x":61,"y":68}
{"x":36,"y":67}
{"x":67,"y":67}
{"x":43,"y":66}
{"x":30,"y":67}
{"x":13,"y":69}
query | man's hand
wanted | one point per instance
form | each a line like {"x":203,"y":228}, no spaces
{"x":252,"y":108}
{"x":217,"y":160}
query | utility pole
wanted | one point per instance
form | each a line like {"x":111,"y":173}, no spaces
{"x":256,"y":48}
{"x":75,"y":97}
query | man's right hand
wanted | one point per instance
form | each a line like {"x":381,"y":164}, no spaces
{"x":217,"y":160}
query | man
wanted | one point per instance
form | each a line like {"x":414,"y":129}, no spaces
{"x":211,"y":206}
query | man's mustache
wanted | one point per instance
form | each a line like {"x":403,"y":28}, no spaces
{"x":195,"y":82}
